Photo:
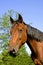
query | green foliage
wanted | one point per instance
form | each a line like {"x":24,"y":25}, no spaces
{"x":4,"y":29}
{"x":21,"y":59}
{"x":6,"y":59}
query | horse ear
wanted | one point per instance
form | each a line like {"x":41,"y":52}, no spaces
{"x":12,"y":21}
{"x":20,"y":18}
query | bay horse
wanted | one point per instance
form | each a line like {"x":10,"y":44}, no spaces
{"x":21,"y":33}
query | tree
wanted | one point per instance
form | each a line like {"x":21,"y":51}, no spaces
{"x":5,"y":58}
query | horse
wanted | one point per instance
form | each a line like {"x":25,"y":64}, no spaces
{"x":22,"y":33}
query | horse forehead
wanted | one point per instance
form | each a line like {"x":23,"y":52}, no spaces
{"x":18,"y":26}
{"x":21,"y":25}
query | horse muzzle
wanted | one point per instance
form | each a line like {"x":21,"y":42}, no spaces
{"x":13,"y":52}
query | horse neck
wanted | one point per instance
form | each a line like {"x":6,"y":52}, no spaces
{"x":34,"y":33}
{"x":32,"y":44}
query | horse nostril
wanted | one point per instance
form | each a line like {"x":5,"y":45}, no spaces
{"x":13,"y":52}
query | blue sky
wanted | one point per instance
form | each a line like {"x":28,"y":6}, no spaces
{"x":31,"y":10}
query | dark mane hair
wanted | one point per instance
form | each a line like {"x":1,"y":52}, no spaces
{"x":34,"y":33}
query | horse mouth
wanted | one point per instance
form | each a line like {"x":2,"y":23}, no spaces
{"x":13,"y":53}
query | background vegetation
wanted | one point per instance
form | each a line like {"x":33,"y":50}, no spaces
{"x":5,"y":59}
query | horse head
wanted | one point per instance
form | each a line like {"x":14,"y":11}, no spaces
{"x":18,"y":35}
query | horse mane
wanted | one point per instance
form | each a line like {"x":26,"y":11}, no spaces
{"x":34,"y":33}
